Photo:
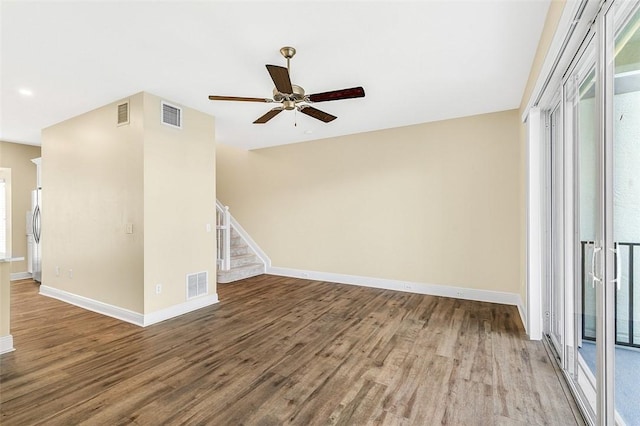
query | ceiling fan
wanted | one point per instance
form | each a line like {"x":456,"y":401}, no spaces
{"x":292,"y":96}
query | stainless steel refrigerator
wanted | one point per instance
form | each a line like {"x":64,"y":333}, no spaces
{"x":34,"y":235}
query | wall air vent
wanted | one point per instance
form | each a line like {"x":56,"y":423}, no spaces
{"x":123,"y":114}
{"x":171,"y":115}
{"x":197,"y":284}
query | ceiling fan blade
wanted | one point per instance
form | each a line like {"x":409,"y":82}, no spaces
{"x":238,"y":98}
{"x":316,"y":113}
{"x":268,"y":116}
{"x":281,"y":79}
{"x":335,"y":95}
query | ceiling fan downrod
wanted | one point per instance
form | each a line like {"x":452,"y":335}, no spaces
{"x":288,"y":52}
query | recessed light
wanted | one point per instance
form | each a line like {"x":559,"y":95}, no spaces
{"x":308,"y":132}
{"x":25,"y":92}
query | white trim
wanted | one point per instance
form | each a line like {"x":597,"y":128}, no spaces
{"x":93,"y":305}
{"x":181,"y":309}
{"x":6,"y":344}
{"x":15,"y":276}
{"x":535,"y":222}
{"x":522,"y":310}
{"x":501,"y":297}
{"x":126,"y":315}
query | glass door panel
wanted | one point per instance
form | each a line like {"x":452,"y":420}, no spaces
{"x":581,"y":135}
{"x":556,"y":288}
{"x":588,"y":172}
{"x":625,"y":190}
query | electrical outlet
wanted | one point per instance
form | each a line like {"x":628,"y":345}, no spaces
{"x":57,"y":271}
{"x":128,"y":228}
{"x":70,"y":273}
{"x":459,"y":293}
{"x":208,"y":227}
{"x":407,"y":286}
{"x":158,"y":288}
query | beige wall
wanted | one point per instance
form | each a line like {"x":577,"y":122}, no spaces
{"x":93,"y":170}
{"x":18,"y":157}
{"x":5,"y":288}
{"x":556,"y":8}
{"x":101,"y":177}
{"x":5,"y":301}
{"x":179,"y":201}
{"x":435,"y":203}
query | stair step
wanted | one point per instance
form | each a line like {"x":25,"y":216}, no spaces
{"x":237,"y":242}
{"x":243,"y":259}
{"x":240,"y":250}
{"x":240,"y":273}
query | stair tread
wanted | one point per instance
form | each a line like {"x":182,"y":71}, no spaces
{"x":240,"y":272}
{"x":242,"y":256}
{"x":241,"y":267}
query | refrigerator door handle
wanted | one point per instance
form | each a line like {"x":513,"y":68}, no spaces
{"x":36,"y":224}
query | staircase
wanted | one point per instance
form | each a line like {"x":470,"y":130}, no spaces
{"x":244,"y":263}
{"x":236,"y":259}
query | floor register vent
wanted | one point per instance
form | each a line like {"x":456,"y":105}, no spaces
{"x":197,"y":284}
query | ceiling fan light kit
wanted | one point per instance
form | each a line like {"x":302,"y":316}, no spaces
{"x":292,"y":96}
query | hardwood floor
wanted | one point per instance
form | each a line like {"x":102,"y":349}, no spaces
{"x":280,"y":351}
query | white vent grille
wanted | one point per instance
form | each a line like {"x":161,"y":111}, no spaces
{"x":171,"y":115}
{"x":197,"y":284}
{"x":123,"y":114}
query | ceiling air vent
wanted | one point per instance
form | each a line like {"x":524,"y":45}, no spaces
{"x":123,"y":114}
{"x":171,"y":115}
{"x":197,"y":284}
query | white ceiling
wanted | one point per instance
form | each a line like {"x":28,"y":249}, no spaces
{"x":418,"y":61}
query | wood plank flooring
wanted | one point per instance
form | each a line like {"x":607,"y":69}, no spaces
{"x":280,"y":351}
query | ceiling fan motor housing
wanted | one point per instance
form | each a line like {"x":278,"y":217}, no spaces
{"x":296,"y":96}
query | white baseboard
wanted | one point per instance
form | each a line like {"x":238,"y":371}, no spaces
{"x":126,"y":315}
{"x":181,"y":309}
{"x":501,"y":297}
{"x":6,"y":344}
{"x":15,"y":276}
{"x":93,"y":305}
{"x":523,"y":314}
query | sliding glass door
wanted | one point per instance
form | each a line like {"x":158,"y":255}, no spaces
{"x":555,"y":294}
{"x":593,"y":296}
{"x":581,"y":123}
{"x":622,"y":204}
